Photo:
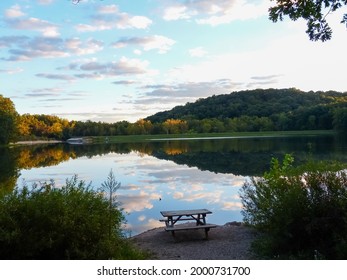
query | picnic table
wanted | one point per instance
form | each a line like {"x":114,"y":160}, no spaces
{"x":172,"y":219}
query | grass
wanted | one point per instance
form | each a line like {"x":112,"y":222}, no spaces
{"x":187,"y":136}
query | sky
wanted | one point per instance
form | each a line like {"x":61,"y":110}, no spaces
{"x":109,"y":61}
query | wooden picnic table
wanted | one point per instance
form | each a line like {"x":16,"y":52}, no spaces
{"x":198,"y":215}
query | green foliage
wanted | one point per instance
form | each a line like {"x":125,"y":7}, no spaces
{"x":9,"y":171}
{"x":302,"y":212}
{"x":243,"y":111}
{"x":314,"y":12}
{"x":258,"y":110}
{"x":340,"y":119}
{"x":44,"y":126}
{"x":8,"y":120}
{"x":71,"y":222}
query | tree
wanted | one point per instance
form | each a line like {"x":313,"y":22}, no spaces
{"x":301,"y":212}
{"x":8,"y":120}
{"x":340,"y":119}
{"x":173,"y":126}
{"x":314,"y":12}
{"x":68,"y":222}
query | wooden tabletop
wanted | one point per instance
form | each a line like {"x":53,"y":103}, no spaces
{"x":185,"y":212}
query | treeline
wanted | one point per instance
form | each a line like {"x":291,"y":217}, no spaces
{"x":253,"y":110}
{"x":261,"y":110}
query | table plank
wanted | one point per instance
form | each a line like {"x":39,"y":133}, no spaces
{"x":185,"y":212}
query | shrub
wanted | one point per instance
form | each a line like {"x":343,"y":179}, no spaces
{"x":302,"y":215}
{"x":71,"y":222}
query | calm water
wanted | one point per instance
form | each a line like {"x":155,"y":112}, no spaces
{"x":167,"y":175}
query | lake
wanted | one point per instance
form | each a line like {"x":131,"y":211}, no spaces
{"x":167,"y":174}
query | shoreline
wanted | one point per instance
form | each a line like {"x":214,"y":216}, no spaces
{"x":231,"y":241}
{"x":35,"y":142}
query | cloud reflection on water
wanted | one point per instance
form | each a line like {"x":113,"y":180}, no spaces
{"x":164,"y":185}
{"x":150,"y":185}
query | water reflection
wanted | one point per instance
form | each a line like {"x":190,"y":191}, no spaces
{"x":163,"y":175}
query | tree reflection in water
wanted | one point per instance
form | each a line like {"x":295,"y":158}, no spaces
{"x":178,"y":172}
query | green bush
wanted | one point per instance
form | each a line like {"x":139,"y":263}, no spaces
{"x":71,"y":222}
{"x":301,"y":215}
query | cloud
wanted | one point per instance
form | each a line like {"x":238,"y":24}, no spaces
{"x":45,"y":2}
{"x":215,"y":12}
{"x":232,"y":205}
{"x":144,"y":226}
{"x":178,"y":195}
{"x":8,"y":41}
{"x":94,"y":69}
{"x":23,"y":48}
{"x":162,"y":97}
{"x":161,"y":43}
{"x":15,"y":21}
{"x":109,"y":17}
{"x":191,"y":89}
{"x":12,"y":71}
{"x":263,"y":80}
{"x":108,"y":9}
{"x":14,"y":12}
{"x":38,"y":47}
{"x":44,"y":92}
{"x":89,"y":115}
{"x":177,"y":12}
{"x":139,"y":202}
{"x":55,"y":77}
{"x":141,"y":218}
{"x":197,"y":52}
{"x":125,"y":82}
{"x":76,"y":46}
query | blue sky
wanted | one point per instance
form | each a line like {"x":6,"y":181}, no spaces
{"x":125,"y":60}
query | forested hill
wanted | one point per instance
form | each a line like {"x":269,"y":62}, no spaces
{"x":270,"y":103}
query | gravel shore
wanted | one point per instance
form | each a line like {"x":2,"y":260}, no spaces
{"x":231,"y":241}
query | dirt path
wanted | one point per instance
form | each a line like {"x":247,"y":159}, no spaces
{"x":229,"y":242}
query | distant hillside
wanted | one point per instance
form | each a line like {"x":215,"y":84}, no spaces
{"x":271,"y":103}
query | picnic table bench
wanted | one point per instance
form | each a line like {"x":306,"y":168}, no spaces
{"x":172,"y":219}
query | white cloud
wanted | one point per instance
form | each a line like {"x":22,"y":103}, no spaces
{"x":24,"y":48}
{"x":45,"y":2}
{"x":178,"y":195}
{"x":14,"y":12}
{"x":139,"y":22}
{"x":90,"y":28}
{"x":15,"y":18}
{"x":12,"y":71}
{"x":216,"y":12}
{"x":93,"y":69}
{"x":197,"y":52}
{"x":176,"y":13}
{"x":231,"y":205}
{"x":108,"y":9}
{"x":34,"y":24}
{"x":78,"y":47}
{"x":138,"y":202}
{"x":156,"y":42}
{"x":190,"y":90}
{"x":141,"y":218}
{"x":110,"y":17}
{"x":55,"y":77}
{"x":239,"y":10}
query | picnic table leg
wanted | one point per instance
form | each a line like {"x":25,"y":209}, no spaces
{"x":206,"y":232}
